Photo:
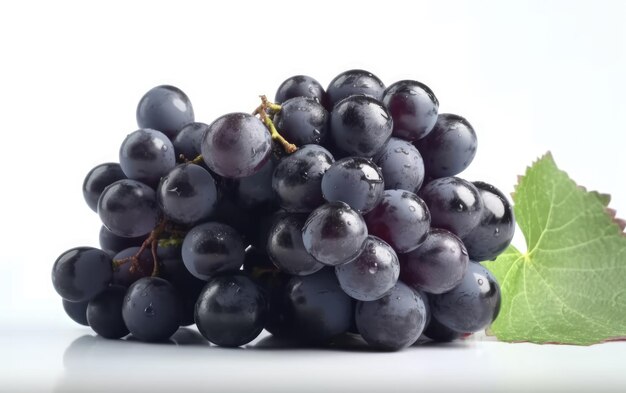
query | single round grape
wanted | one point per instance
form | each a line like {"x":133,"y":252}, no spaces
{"x":77,"y":311}
{"x":286,"y":249}
{"x":99,"y":178}
{"x":334,"y":233}
{"x":187,"y":194}
{"x":472,"y":305}
{"x":126,"y":274}
{"x":438,"y":265}
{"x":438,"y":332}
{"x":413,"y":107}
{"x":360,"y":125}
{"x":236,"y":145}
{"x":212,"y":248}
{"x":188,"y":141}
{"x":372,"y":274}
{"x":401,"y":219}
{"x":188,"y":287}
{"x":449,"y":148}
{"x":297,"y":178}
{"x":255,"y":191}
{"x":112,"y":244}
{"x":454,"y":204}
{"x":104,"y":313}
{"x":165,"y":108}
{"x":152,"y":309}
{"x":401,"y":165}
{"x":81,"y":273}
{"x":356,"y":181}
{"x":496,"y":228}
{"x":302,"y":121}
{"x":300,"y":86}
{"x":146,"y":155}
{"x":354,"y":82}
{"x":128,"y":208}
{"x":394,"y":321}
{"x":231,"y":310}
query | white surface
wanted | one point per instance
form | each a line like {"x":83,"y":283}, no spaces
{"x":530,"y":76}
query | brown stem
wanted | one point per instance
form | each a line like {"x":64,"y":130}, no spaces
{"x":152,"y":241}
{"x":262,"y":110}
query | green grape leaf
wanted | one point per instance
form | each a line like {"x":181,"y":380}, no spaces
{"x":570,"y":286}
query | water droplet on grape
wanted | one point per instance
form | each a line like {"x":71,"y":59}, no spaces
{"x":496,"y":232}
{"x":480,"y":281}
{"x":149,"y":310}
{"x":373,"y":268}
{"x":412,"y":208}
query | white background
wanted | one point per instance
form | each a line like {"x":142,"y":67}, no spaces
{"x":530,"y":77}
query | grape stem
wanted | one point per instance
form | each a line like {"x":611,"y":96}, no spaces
{"x":197,"y":160}
{"x":265,"y":111}
{"x":152,"y":241}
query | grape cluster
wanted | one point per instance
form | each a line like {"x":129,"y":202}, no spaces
{"x":322,"y":213}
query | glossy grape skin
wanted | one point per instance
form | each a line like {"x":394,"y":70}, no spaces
{"x":440,"y":333}
{"x":81,"y":273}
{"x":394,"y":321}
{"x":104,"y":313}
{"x":401,"y":219}
{"x":165,"y":108}
{"x":188,"y":287}
{"x":454,"y":204}
{"x":146,"y":155}
{"x":212,"y":248}
{"x":77,"y":311}
{"x":472,"y":305}
{"x":188,"y":141}
{"x":496,"y":228}
{"x":449,"y":148}
{"x":125,"y":275}
{"x":372,"y":274}
{"x":128,"y":208}
{"x":286,"y":249}
{"x":152,"y":309}
{"x":236,"y":145}
{"x":401,"y":165}
{"x":356,"y":181}
{"x":99,"y":178}
{"x":112,"y":244}
{"x":187,"y":194}
{"x":298,"y":177}
{"x":302,"y":121}
{"x":300,"y":86}
{"x":438,"y":265}
{"x":255,"y":191}
{"x":334,"y":233}
{"x":360,"y":125}
{"x":231,"y":310}
{"x":354,"y":82}
{"x":413,"y":107}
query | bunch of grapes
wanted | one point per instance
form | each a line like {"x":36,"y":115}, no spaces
{"x":322,"y":213}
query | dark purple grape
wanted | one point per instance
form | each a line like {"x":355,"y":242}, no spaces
{"x":77,"y":311}
{"x":231,"y":310}
{"x":187,"y":194}
{"x":126,"y":274}
{"x":297,"y":179}
{"x":165,"y":108}
{"x":354,"y":82}
{"x":449,"y":148}
{"x":99,"y":178}
{"x":401,"y":165}
{"x":112,"y":244}
{"x":128,"y":208}
{"x":212,"y":248}
{"x":438,"y":265}
{"x":413,"y":107}
{"x":236,"y":145}
{"x":334,"y":234}
{"x":438,"y":332}
{"x":302,"y":121}
{"x":189,"y":140}
{"x":496,"y":228}
{"x":472,"y":305}
{"x":286,"y":249}
{"x":372,"y":274}
{"x":454,"y":204}
{"x":146,"y":155}
{"x":104,"y":313}
{"x":255,"y":191}
{"x":300,"y":86}
{"x":401,"y":219}
{"x":81,"y":273}
{"x":360,"y":125}
{"x":356,"y":181}
{"x":152,"y":309}
{"x":188,"y":287}
{"x":394,"y":321}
